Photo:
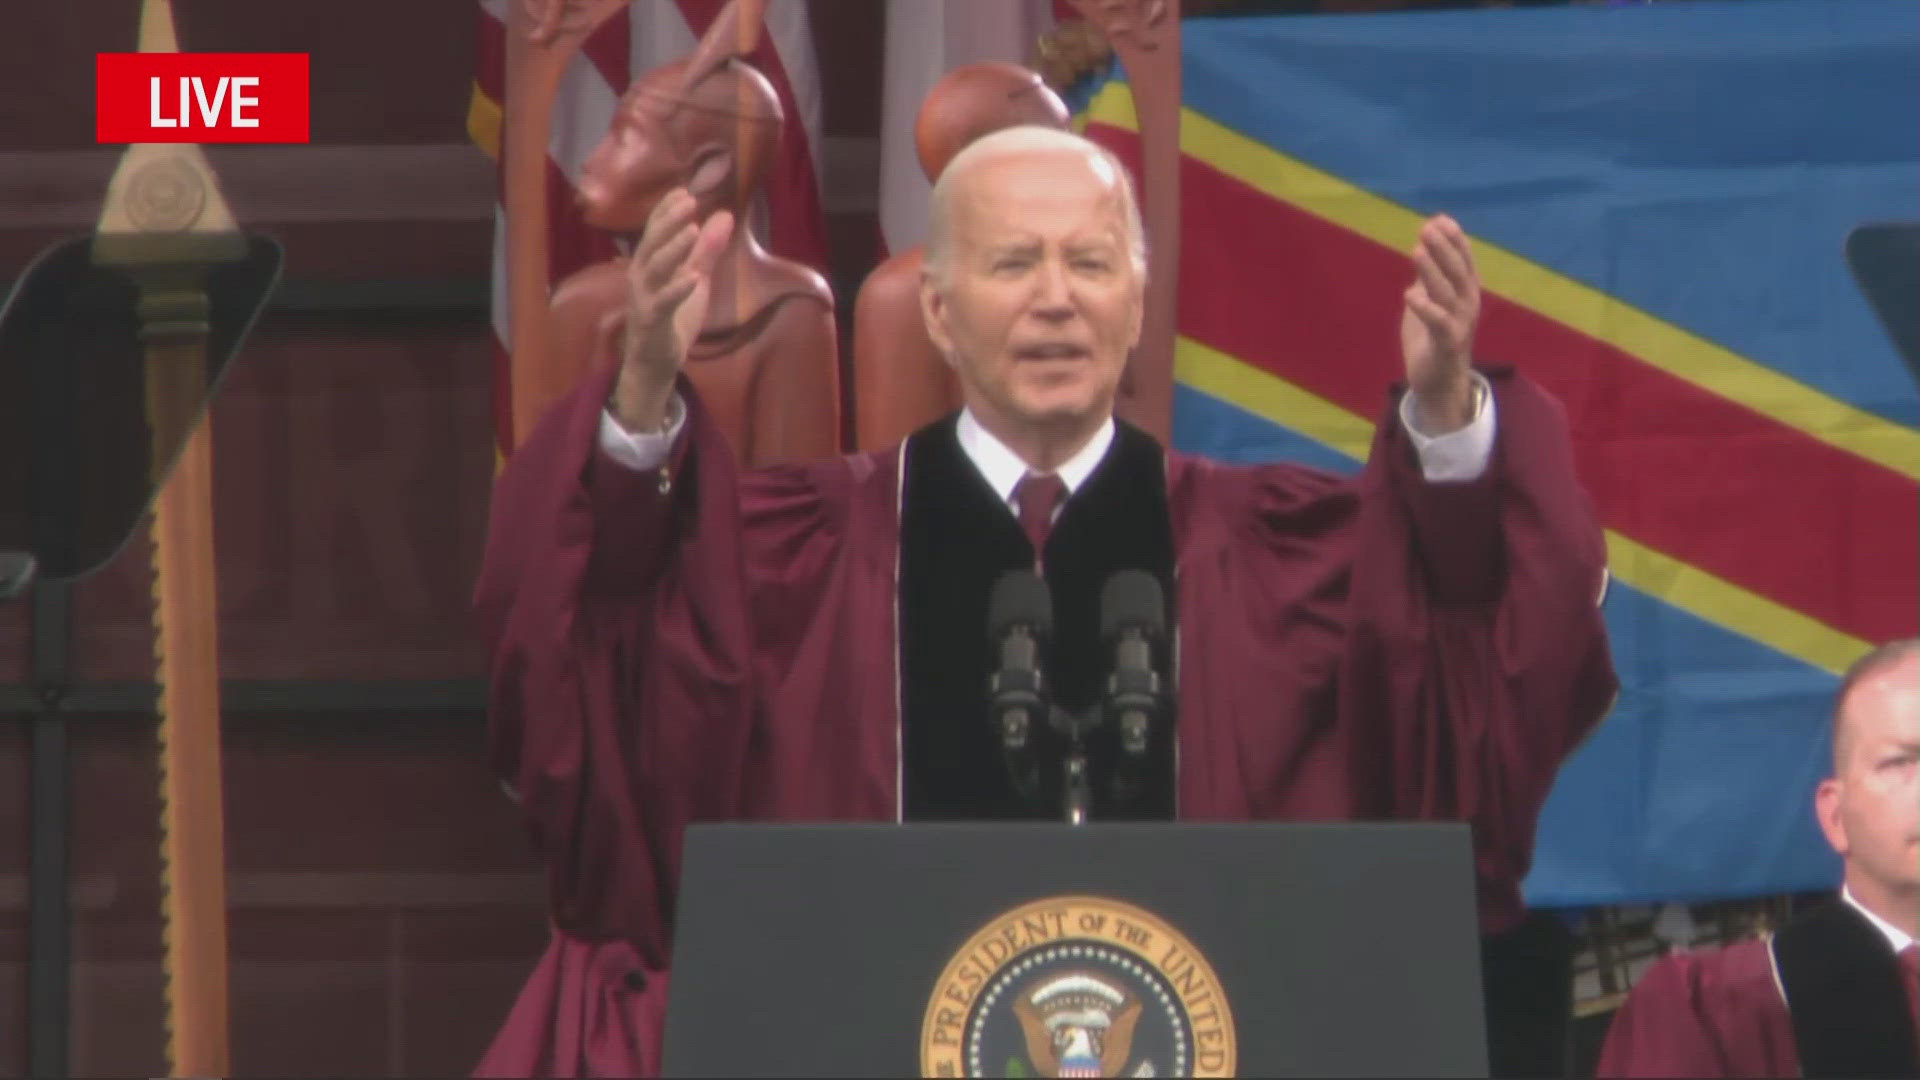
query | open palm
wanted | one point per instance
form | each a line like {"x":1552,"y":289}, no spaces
{"x":1438,"y":322}
{"x":670,"y":284}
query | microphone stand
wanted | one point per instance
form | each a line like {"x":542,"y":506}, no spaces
{"x":1016,"y":747}
{"x":1076,"y":789}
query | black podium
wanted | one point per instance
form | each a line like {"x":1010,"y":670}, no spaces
{"x":1097,"y":950}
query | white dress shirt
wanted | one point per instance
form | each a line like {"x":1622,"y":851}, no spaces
{"x":1455,"y":457}
{"x":1895,"y":936}
{"x":1004,"y":470}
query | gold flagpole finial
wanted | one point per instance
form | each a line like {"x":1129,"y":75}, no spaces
{"x":164,"y":204}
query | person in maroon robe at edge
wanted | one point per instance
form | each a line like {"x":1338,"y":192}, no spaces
{"x":676,"y":640}
{"x":1836,"y":991}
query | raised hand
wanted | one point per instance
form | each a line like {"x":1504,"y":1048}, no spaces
{"x":1437,"y":325}
{"x":669,"y":285}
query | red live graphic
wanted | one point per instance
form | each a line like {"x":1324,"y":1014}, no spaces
{"x":200,"y":97}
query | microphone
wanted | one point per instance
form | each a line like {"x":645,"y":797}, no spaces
{"x":1133,"y":617}
{"x":1019,"y":618}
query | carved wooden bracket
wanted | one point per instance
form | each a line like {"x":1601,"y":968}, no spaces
{"x":1146,"y":35}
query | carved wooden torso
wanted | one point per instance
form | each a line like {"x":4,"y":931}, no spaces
{"x":768,"y":375}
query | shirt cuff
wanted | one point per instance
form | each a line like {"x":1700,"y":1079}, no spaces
{"x":641,"y":451}
{"x":1458,"y":456}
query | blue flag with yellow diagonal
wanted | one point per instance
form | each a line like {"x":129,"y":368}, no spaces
{"x":1659,"y":197}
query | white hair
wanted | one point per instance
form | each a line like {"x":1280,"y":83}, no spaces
{"x":1029,"y":138}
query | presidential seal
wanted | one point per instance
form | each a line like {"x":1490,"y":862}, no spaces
{"x":1078,"y":986}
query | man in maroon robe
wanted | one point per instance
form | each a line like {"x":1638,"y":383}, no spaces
{"x":674,"y":640}
{"x":1836,"y":992}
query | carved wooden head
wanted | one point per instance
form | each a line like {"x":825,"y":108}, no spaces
{"x":979,"y":99}
{"x":710,"y":121}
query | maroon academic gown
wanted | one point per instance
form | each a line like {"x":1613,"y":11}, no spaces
{"x":1714,"y":1013}
{"x":696,"y":643}
{"x":1823,"y":996}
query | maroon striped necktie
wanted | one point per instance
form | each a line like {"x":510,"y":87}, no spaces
{"x":1038,"y":496}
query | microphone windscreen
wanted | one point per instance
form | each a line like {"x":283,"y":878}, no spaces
{"x":1132,"y":598}
{"x":1019,"y":597}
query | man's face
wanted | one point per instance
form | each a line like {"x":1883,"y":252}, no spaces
{"x":1870,"y":809}
{"x":1041,"y":304}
